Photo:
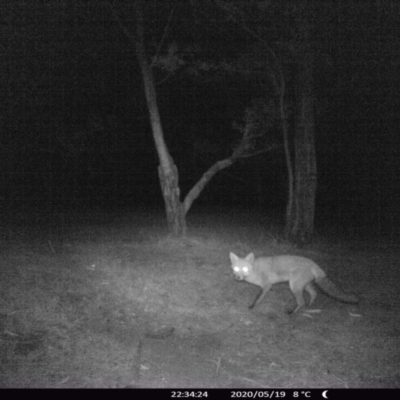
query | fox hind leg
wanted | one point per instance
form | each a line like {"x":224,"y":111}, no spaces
{"x":300,"y":302}
{"x":297,"y":291}
{"x":311,"y":291}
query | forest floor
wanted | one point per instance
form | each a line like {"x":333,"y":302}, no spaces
{"x":96,"y":301}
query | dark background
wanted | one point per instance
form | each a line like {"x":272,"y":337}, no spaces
{"x":75,"y":131}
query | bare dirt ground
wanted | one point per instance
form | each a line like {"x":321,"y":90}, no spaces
{"x":96,"y":302}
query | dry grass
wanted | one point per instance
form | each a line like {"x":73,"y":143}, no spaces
{"x":96,"y":301}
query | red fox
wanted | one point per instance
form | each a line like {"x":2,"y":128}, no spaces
{"x":300,"y":272}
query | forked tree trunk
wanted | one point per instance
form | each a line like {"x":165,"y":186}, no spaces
{"x":167,"y":171}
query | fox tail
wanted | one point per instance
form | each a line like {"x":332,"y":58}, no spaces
{"x":333,"y":291}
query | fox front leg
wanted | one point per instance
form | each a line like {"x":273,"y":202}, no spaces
{"x":260,"y":296}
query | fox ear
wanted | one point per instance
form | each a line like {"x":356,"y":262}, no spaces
{"x":233,"y":257}
{"x":250,"y":258}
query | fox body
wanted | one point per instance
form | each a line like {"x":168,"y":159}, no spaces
{"x":300,"y":272}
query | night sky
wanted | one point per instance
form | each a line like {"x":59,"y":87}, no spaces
{"x":75,"y":130}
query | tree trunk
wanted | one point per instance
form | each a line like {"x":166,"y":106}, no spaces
{"x":176,"y":215}
{"x":278,"y":80}
{"x":288,"y":157}
{"x":301,"y":223}
{"x":167,"y":170}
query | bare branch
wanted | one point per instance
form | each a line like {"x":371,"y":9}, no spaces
{"x":123,"y":27}
{"x":162,"y":39}
{"x":257,"y":152}
{"x":199,"y":186}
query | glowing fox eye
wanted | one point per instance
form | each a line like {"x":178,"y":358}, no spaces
{"x":236,"y":269}
{"x":245,"y":269}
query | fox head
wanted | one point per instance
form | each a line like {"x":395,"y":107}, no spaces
{"x":242,"y":267}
